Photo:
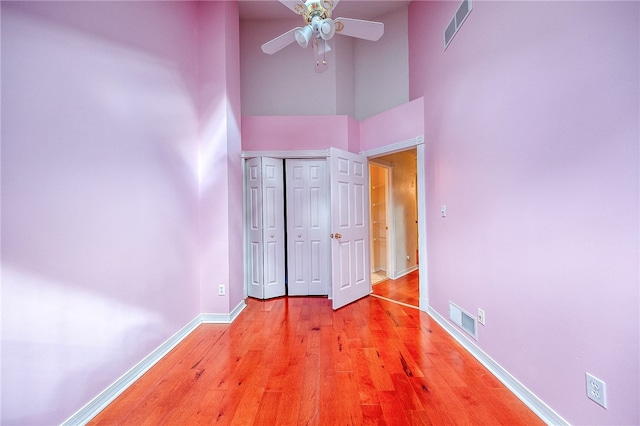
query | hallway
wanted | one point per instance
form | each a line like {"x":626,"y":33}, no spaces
{"x":405,"y":289}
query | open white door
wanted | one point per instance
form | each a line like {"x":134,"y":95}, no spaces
{"x":350,"y":273}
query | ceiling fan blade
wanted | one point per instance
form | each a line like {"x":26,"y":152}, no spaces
{"x":280,"y":42}
{"x":367,"y":30}
{"x":296,"y":5}
{"x":320,"y":50}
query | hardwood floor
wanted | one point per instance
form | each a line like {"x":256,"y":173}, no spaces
{"x":405,"y":289}
{"x":295,"y":361}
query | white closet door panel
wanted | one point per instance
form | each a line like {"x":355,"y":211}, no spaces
{"x":298,"y":218}
{"x":273,"y":227}
{"x":314,"y":208}
{"x":255,"y":263}
{"x":297,"y":281}
{"x":308,"y":227}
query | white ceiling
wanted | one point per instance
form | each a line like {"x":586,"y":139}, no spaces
{"x":358,"y":9}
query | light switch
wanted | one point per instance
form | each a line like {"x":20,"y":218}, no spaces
{"x":443,"y":210}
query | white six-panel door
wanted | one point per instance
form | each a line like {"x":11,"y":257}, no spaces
{"x":265,"y":206}
{"x":349,"y":182}
{"x":308,"y":249}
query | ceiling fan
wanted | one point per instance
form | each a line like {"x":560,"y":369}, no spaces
{"x":320,"y":27}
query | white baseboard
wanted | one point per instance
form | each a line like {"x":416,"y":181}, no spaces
{"x":407,"y":271}
{"x":536,"y":405}
{"x":97,"y":404}
{"x":223,"y":318}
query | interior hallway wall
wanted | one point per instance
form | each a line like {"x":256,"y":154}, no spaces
{"x":404,"y":218}
{"x":532,"y":142}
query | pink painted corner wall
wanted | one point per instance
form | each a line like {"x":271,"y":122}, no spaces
{"x":220,"y":156}
{"x":398,"y":124}
{"x":531,"y":133}
{"x":287,"y":132}
{"x":102,"y":190}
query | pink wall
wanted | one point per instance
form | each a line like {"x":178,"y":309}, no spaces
{"x":287,"y":132}
{"x":399,"y":124}
{"x":293,"y":132}
{"x":353,"y":131}
{"x":531,"y":132}
{"x":111,"y":151}
{"x":220,"y":160}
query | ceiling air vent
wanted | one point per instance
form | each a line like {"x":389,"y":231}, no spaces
{"x":456,"y":22}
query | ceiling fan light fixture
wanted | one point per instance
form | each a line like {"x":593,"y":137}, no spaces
{"x":327,"y":28}
{"x":303,"y":36}
{"x":319,"y":28}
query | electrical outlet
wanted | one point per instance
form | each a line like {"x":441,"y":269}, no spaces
{"x":596,"y":390}
{"x":480,"y":316}
{"x":221,"y":290}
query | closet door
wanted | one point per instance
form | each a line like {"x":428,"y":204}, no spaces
{"x":265,"y":225}
{"x":308,"y":242}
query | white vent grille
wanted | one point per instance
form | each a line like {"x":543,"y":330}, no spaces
{"x":456,"y":22}
{"x":463,"y":320}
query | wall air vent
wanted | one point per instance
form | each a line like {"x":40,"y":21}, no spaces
{"x":456,"y":22}
{"x":463,"y":320}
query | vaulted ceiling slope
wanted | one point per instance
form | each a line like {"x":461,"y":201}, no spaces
{"x":364,"y":78}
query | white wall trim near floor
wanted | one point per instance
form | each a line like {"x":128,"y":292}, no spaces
{"x":223,"y":318}
{"x":536,"y":405}
{"x":97,"y":404}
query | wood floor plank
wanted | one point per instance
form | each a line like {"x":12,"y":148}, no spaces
{"x":373,"y":415}
{"x":405,"y":289}
{"x":295,"y":361}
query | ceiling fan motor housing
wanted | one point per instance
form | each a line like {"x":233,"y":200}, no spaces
{"x":316,"y":8}
{"x":318,"y":17}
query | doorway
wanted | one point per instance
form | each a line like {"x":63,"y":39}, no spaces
{"x":394,"y":226}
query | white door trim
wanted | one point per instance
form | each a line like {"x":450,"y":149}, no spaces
{"x":321,"y":153}
{"x":394,"y":147}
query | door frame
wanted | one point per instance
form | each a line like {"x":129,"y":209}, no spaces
{"x":418,"y":143}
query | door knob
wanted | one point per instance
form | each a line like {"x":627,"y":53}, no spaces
{"x":338,"y":235}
